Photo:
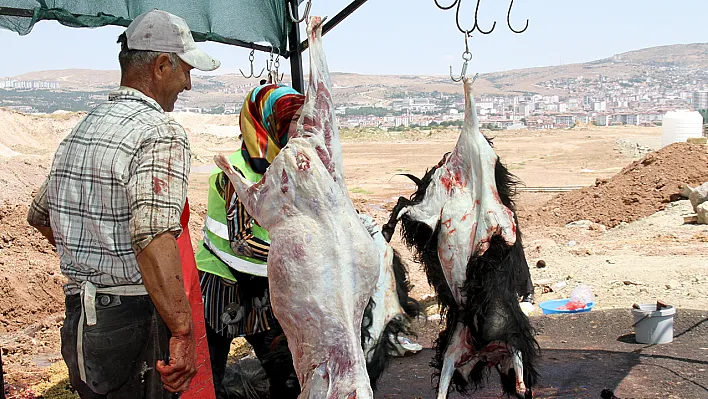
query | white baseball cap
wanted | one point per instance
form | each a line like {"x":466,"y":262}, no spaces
{"x":160,"y":31}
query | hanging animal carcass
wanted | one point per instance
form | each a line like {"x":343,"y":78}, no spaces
{"x":323,"y":264}
{"x":462,"y":224}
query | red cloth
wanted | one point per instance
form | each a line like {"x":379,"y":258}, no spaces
{"x":202,"y":386}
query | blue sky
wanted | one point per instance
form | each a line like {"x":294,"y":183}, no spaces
{"x":415,"y":37}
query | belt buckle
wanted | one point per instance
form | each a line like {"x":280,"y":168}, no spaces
{"x":108,"y":300}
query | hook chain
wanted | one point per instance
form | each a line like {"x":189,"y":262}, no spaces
{"x":466,"y":57}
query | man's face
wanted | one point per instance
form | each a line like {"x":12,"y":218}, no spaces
{"x":172,"y":82}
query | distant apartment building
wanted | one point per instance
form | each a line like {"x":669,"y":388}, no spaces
{"x":27,"y":84}
{"x":603,"y":120}
{"x":651,"y":117}
{"x":564,"y":120}
{"x":700,"y":100}
{"x":627,"y":118}
{"x":540,"y":122}
{"x":414,"y":105}
{"x":402,"y":121}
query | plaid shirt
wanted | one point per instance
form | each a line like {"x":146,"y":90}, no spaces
{"x":117,"y":181}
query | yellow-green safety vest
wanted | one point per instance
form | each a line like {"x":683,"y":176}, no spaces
{"x":219,"y":259}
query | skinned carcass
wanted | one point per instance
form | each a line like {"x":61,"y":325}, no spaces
{"x":462,"y":225}
{"x":390,"y":309}
{"x":322,"y":264}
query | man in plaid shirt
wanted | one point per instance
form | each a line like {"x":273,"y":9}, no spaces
{"x":112,"y":205}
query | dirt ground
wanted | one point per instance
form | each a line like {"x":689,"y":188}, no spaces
{"x":650,"y":258}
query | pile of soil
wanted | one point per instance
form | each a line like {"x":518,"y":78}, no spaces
{"x":30,"y":280}
{"x":639,"y":190}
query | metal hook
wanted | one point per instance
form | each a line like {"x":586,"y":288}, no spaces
{"x":277,"y":67}
{"x":476,"y":19}
{"x":250,"y":58}
{"x":305,"y":15}
{"x":466,"y":56}
{"x":269,"y":63}
{"x":448,"y":7}
{"x":508,"y":20}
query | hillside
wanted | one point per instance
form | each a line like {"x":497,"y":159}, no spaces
{"x":656,"y":62}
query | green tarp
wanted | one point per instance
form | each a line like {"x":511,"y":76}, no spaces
{"x":225,"y":21}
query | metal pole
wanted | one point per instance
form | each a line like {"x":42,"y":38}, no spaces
{"x":294,"y":50}
{"x":16,"y":12}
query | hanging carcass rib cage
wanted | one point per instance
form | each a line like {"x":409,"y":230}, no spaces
{"x":262,"y":25}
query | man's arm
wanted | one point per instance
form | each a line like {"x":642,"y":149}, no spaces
{"x":157,"y":191}
{"x":161,"y":269}
{"x":38,"y":214}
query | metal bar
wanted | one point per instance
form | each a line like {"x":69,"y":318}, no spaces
{"x":16,"y":12}
{"x":328,"y":26}
{"x":295,"y":55}
{"x":235,"y":42}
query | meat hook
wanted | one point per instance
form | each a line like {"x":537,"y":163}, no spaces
{"x":276,"y":64}
{"x":272,"y":67}
{"x":448,"y":7}
{"x":508,"y":20}
{"x":466,"y":56}
{"x":304,"y":16}
{"x":250,"y":58}
{"x":476,"y":19}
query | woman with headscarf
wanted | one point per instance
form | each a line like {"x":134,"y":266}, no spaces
{"x":233,"y":254}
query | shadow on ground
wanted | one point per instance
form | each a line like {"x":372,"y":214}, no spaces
{"x":581,"y":356}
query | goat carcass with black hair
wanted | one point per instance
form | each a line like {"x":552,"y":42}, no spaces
{"x":323,"y":264}
{"x":462,"y":225}
{"x":390,"y":309}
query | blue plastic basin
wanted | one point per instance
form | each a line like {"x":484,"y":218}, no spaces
{"x":551,"y":307}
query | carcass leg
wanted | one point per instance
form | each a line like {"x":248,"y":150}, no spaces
{"x":318,"y":387}
{"x":518,"y":364}
{"x":225,"y":165}
{"x":456,"y":349}
{"x":247,"y":191}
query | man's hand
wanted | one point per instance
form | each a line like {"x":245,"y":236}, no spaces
{"x":177,"y":375}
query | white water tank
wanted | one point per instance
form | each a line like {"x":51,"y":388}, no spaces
{"x":680,"y":125}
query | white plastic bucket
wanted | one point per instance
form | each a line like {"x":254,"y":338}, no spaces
{"x":652,"y":326}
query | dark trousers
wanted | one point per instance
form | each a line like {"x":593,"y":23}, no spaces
{"x":120,"y":351}
{"x":271,"y":348}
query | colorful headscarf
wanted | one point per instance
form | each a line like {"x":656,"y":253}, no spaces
{"x":265,"y":120}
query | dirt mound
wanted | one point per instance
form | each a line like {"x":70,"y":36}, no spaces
{"x":35,"y":134}
{"x":20,"y":176}
{"x":30,"y":280}
{"x":639,"y":190}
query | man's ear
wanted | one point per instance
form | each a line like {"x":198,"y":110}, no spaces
{"x":161,"y":66}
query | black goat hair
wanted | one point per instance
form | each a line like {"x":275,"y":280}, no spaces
{"x":501,"y":265}
{"x":383,"y":349}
